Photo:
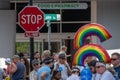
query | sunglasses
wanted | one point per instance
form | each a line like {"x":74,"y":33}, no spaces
{"x":63,"y":58}
{"x":98,"y":66}
{"x":75,"y":71}
{"x":114,"y":59}
{"x":35,"y":64}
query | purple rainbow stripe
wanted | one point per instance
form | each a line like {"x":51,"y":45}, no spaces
{"x":89,"y":30}
{"x":90,"y":50}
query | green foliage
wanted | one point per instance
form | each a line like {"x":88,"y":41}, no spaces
{"x":22,"y":47}
{"x":25,"y":46}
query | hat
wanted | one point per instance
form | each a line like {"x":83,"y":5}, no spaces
{"x":75,"y":69}
{"x":35,"y":61}
{"x":101,"y":63}
{"x":48,"y":60}
{"x":8,"y":60}
{"x":62,"y":55}
{"x":15,"y":56}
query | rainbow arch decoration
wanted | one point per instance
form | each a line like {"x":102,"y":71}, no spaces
{"x":92,"y":29}
{"x":90,"y":50}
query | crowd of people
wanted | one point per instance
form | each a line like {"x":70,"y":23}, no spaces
{"x":56,"y":67}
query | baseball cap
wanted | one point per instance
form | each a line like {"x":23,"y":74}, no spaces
{"x":75,"y":69}
{"x":35,"y":61}
{"x":62,"y":55}
{"x":48,"y":60}
{"x":8,"y":60}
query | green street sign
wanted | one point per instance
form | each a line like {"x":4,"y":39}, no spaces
{"x":52,"y":17}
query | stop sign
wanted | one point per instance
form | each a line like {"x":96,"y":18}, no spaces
{"x":31,"y":18}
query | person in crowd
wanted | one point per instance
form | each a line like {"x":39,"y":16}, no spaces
{"x":91,"y":66}
{"x":18,"y":69}
{"x":2,"y":74}
{"x":27,"y":65}
{"x":45,"y":54}
{"x":36,"y":66}
{"x":115,"y":60}
{"x":56,"y":75}
{"x":75,"y":74}
{"x":55,"y":56}
{"x":63,"y":66}
{"x":21,"y":54}
{"x":104,"y":74}
{"x":86,"y":61}
{"x":37,"y":55}
{"x":44,"y":72}
{"x":89,"y":59}
{"x":63,"y":49}
{"x":8,"y":63}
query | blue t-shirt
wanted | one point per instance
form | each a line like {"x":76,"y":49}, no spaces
{"x":19,"y":74}
{"x":45,"y":69}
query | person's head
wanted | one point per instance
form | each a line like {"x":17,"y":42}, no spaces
{"x":62,"y":58}
{"x":36,"y":55}
{"x":100,"y":67}
{"x":89,"y":59}
{"x":24,"y":60}
{"x":76,"y":70}
{"x":115,"y":59}
{"x":21,"y":54}
{"x":63,"y":48}
{"x":45,"y":54}
{"x":56,"y":75}
{"x":36,"y":64}
{"x":91,"y":65}
{"x":55,"y":55}
{"x":7,"y":61}
{"x":48,"y":61}
{"x":15,"y":58}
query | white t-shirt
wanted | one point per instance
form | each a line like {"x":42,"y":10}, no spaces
{"x":95,"y":76}
{"x":73,"y":77}
{"x":63,"y":70}
{"x":107,"y":76}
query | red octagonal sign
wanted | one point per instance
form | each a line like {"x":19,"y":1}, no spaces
{"x":31,"y":18}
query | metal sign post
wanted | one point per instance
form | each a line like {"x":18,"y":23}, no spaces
{"x":31,"y":44}
{"x":49,"y":32}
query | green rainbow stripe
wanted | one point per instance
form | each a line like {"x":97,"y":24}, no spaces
{"x":90,"y":50}
{"x":89,"y":30}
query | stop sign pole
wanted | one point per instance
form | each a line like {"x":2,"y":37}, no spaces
{"x":31,"y":44}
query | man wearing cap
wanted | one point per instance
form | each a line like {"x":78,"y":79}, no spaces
{"x":36,"y":66}
{"x":62,"y":66}
{"x":45,"y":71}
{"x":18,"y":69}
{"x":8,"y":69}
{"x":104,"y":73}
